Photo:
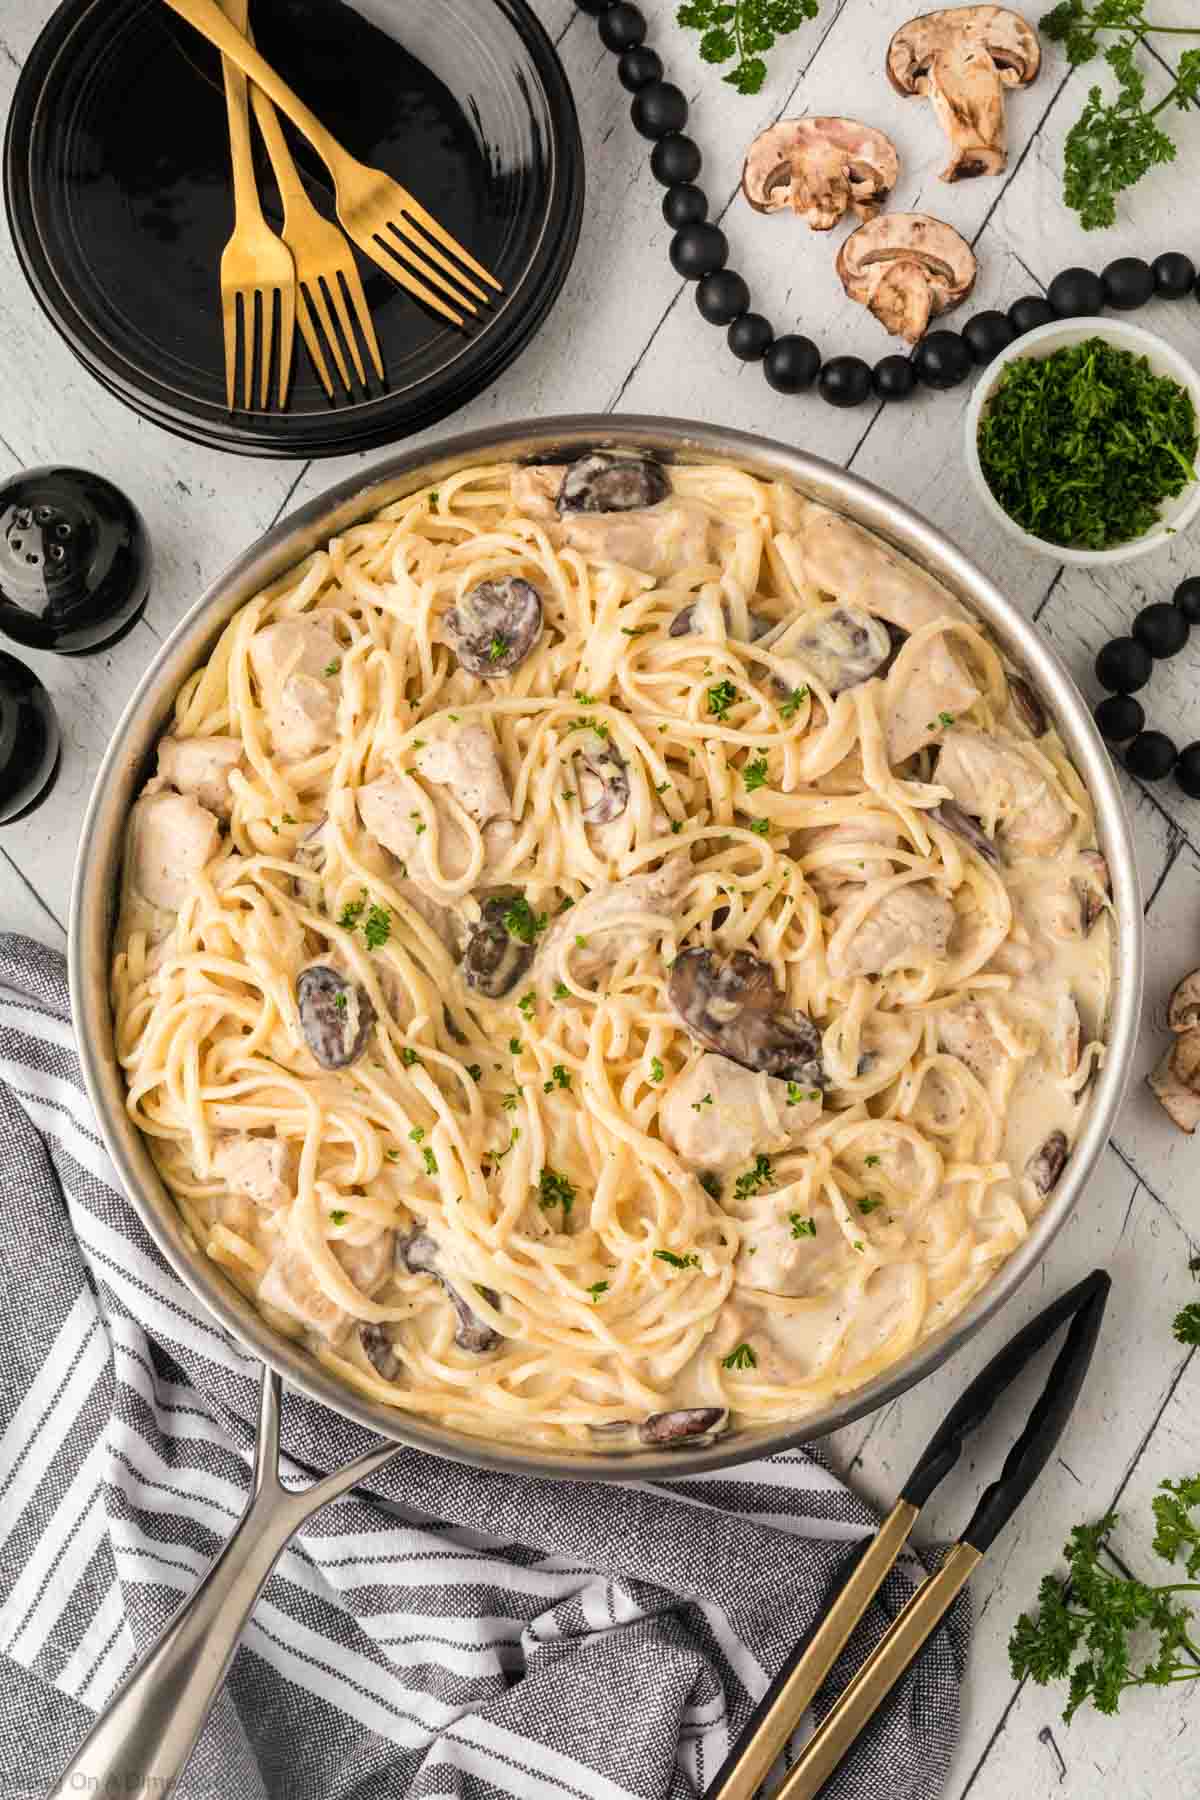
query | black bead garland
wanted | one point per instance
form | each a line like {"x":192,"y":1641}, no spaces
{"x":845,"y":381}
{"x":621,"y":27}
{"x":1128,"y":283}
{"x":942,"y":360}
{"x":1151,"y":756}
{"x":638,"y":68}
{"x":1029,"y":312}
{"x":1123,"y":665}
{"x":659,"y":109}
{"x":750,"y":337}
{"x":593,"y":7}
{"x":1162,"y":628}
{"x":684,"y":205}
{"x":1119,"y":717}
{"x":1187,"y":771}
{"x":987,"y":334}
{"x":893,"y":378}
{"x":722,"y":296}
{"x":1075,"y":294}
{"x":1187,"y":598}
{"x":675,"y":159}
{"x":791,"y":364}
{"x":697,"y":250}
{"x":1174,"y":275}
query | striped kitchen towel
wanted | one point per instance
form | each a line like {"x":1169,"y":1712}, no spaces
{"x":443,"y":1631}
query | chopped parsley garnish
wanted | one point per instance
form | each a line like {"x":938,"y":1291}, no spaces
{"x":339,"y":1001}
{"x":430,"y":1161}
{"x":742,"y":1357}
{"x":475,"y":1072}
{"x":802,"y":1227}
{"x":351,"y":913}
{"x":584,"y":699}
{"x":417,"y":1133}
{"x":755,"y":774}
{"x":597,"y":1288}
{"x":870,"y":1203}
{"x":795,"y":1093}
{"x":656,"y":1069}
{"x":721,"y":698}
{"x":555,"y":1190}
{"x":378,"y":927}
{"x":761,"y":827}
{"x":514,"y":1046}
{"x":945,"y":718}
{"x":678,"y":1262}
{"x":288,"y":819}
{"x":872,"y":1162}
{"x":509,"y":1102}
{"x":521,"y":922}
{"x":526,"y":1004}
{"x":794,"y":702}
{"x":499,"y":1155}
{"x":580,"y":942}
{"x":409,"y":1057}
{"x":391,"y":1156}
{"x":755,"y":1179}
{"x":561,"y":990}
{"x":331,"y":668}
{"x":338,"y":1217}
{"x":559,"y":1078}
{"x":711,"y":1184}
{"x":635,"y":630}
{"x":676,"y":827}
{"x":705,"y":1100}
{"x":662,"y":787}
{"x":498,"y":647}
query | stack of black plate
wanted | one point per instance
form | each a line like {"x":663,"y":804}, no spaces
{"x":116,"y":178}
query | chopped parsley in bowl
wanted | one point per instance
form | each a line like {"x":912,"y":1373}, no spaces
{"x":1083,"y":437}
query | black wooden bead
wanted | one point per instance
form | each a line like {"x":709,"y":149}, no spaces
{"x":1162,"y":628}
{"x":675,"y":159}
{"x":593,"y":6}
{"x":1029,"y":312}
{"x":750,"y":337}
{"x":1120,"y":717}
{"x":722,"y":297}
{"x":893,"y":378}
{"x":1123,"y":666}
{"x":845,"y":381}
{"x":1174,"y":275}
{"x":1187,"y":598}
{"x":1075,"y":294}
{"x":638,"y":68}
{"x":697,"y":250}
{"x":1187,"y":771}
{"x":987,"y":334}
{"x":1151,"y":756}
{"x":659,"y":109}
{"x":941,"y":360}
{"x":684,"y":205}
{"x":791,"y":363}
{"x":1128,"y":283}
{"x":622,"y":27}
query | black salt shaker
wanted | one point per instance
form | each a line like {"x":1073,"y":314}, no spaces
{"x":74,"y":561}
{"x":29,"y":740}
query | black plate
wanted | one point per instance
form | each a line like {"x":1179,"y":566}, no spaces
{"x":116,"y":180}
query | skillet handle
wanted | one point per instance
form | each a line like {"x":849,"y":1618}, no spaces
{"x":142,"y":1742}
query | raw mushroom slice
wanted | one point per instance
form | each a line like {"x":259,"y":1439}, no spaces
{"x":494,"y":626}
{"x":1046,"y":1164}
{"x":602,"y":483}
{"x":692,"y":1425}
{"x":952,"y":816}
{"x":335,"y":1016}
{"x":377,"y":1348}
{"x":735,"y":1008}
{"x":1183,"y":1010}
{"x":961,"y":59}
{"x":906,"y":268}
{"x":821,"y":168}
{"x":495,"y":960}
{"x":420,"y":1255}
{"x":1176,"y":1081}
{"x":841,"y":646}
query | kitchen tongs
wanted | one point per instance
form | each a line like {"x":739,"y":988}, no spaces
{"x":780,"y":1710}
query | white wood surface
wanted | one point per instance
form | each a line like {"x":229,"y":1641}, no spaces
{"x":625,"y":336}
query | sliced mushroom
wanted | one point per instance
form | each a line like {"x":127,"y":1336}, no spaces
{"x":494,"y":960}
{"x":952,"y":816}
{"x":693,"y":1425}
{"x":605,"y":788}
{"x":1095,"y":889}
{"x":907,"y":268}
{"x":1027,"y":706}
{"x":602,"y":483}
{"x":684,"y":623}
{"x":961,"y":59}
{"x":1183,"y":1008}
{"x":310,"y":853}
{"x":735,"y":1007}
{"x":1176,"y":1081}
{"x":842,"y":646}
{"x":495,"y":626}
{"x":821,"y":168}
{"x":335,"y":1015}
{"x":1046,"y":1164}
{"x":377,"y":1348}
{"x":421,"y":1255}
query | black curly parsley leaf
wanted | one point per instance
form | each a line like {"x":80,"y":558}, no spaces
{"x":743,"y":29}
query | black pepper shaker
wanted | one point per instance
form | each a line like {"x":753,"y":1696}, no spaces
{"x":29,"y":740}
{"x":74,"y":561}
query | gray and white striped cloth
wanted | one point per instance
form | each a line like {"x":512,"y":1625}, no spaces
{"x":444,"y":1631}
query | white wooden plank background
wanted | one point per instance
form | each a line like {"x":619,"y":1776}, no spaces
{"x":625,"y":336}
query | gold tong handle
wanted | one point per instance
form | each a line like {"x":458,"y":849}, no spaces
{"x":878,"y":1676}
{"x":208,"y":19}
{"x":747,"y":1768}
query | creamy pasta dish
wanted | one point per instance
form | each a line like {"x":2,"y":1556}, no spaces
{"x":610,"y":950}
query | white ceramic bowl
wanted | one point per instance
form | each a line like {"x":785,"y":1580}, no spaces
{"x":1174,"y":515}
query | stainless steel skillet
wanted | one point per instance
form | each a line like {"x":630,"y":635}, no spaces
{"x":127,"y":763}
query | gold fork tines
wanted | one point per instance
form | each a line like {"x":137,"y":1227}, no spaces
{"x":386,"y":222}
{"x":256,"y":268}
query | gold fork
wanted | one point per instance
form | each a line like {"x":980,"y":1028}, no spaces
{"x":386,"y":222}
{"x":255,"y":264}
{"x":319,"y":251}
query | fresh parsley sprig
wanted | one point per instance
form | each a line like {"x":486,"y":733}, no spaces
{"x":743,"y":29}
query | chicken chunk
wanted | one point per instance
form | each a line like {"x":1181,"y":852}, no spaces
{"x":534,"y":489}
{"x":201,"y":766}
{"x":998,"y":782}
{"x":720,"y":1116}
{"x":843,"y":560}
{"x":852,"y":864}
{"x":296,"y":664}
{"x":389,"y":809}
{"x":171,"y":838}
{"x":290,"y":1286}
{"x":262,"y":1168}
{"x":617,"y":919}
{"x":466,"y":762}
{"x":659,"y":540}
{"x":909,"y":926}
{"x":929,"y":699}
{"x":964,"y":1032}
